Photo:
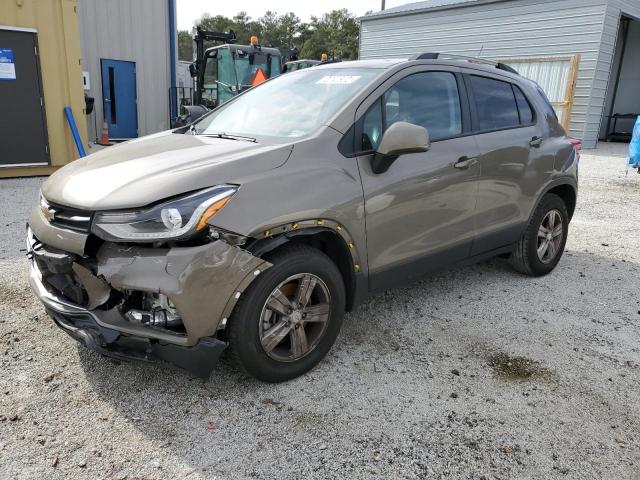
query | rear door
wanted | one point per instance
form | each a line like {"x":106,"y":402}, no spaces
{"x":23,"y":132}
{"x":514,"y":160}
{"x":419,"y":213}
{"x":120,"y":98}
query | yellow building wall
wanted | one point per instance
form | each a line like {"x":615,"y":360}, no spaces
{"x":60,"y":62}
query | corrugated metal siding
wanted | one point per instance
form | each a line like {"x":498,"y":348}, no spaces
{"x":511,"y":29}
{"x":136,"y":31}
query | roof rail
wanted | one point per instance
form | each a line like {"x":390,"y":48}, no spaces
{"x":449,"y":56}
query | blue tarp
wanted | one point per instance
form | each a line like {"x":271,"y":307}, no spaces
{"x":634,"y":146}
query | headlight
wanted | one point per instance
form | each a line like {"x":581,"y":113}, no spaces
{"x":178,"y":218}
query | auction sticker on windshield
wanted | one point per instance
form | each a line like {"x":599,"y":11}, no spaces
{"x":338,"y":79}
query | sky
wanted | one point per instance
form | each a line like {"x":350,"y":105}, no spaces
{"x":191,"y":10}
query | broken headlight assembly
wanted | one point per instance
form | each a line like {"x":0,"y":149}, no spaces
{"x":175,"y":219}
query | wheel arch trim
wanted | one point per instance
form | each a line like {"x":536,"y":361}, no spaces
{"x":558,"y":182}
{"x":354,"y":274}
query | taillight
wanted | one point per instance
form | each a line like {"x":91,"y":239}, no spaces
{"x":576,"y":142}
{"x":577,"y":145}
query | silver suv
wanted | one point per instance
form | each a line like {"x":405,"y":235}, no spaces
{"x":258,"y":226}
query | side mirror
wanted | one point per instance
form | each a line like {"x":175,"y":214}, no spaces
{"x":193,"y":69}
{"x":399,"y":139}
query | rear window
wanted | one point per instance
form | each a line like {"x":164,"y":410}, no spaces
{"x":495,"y":103}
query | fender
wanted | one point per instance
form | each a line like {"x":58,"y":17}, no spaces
{"x":347,"y":259}
{"x":557,"y":182}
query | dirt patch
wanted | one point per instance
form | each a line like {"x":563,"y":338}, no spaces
{"x":517,"y":368}
{"x":14,"y":296}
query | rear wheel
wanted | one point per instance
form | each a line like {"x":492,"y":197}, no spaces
{"x":289,"y":317}
{"x":542,"y":244}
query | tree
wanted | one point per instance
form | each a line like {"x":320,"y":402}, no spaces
{"x":279,"y":30}
{"x":335,"y":33}
{"x":245,"y":28}
{"x":219,"y":23}
{"x":185,"y":46}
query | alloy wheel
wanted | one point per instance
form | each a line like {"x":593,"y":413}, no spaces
{"x":550,"y":236}
{"x":294,"y":317}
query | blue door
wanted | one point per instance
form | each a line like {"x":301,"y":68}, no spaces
{"x":119,"y":98}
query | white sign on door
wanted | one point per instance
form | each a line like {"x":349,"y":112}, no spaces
{"x":7,"y":65}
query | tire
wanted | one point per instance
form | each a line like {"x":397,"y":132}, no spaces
{"x":525,"y":257}
{"x":253,"y":317}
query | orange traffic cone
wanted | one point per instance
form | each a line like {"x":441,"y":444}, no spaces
{"x":104,"y":137}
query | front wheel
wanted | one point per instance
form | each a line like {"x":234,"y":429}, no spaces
{"x":541,"y":246}
{"x":289,"y":317}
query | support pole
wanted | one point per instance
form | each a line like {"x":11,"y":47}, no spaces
{"x":74,"y":131}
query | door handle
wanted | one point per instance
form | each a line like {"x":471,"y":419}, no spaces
{"x":536,"y":142}
{"x":465,"y":162}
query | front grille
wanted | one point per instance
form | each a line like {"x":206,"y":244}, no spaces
{"x":69,"y":218}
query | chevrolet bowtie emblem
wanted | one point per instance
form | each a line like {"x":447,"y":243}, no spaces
{"x":47,"y":213}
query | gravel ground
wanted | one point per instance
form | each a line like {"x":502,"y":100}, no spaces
{"x":474,"y":373}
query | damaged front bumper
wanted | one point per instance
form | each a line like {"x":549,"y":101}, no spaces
{"x":93,"y":330}
{"x":202,"y":282}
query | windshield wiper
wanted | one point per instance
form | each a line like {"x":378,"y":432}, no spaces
{"x":228,"y":136}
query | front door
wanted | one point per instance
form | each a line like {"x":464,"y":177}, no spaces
{"x":119,"y":98}
{"x":420,"y":212}
{"x":23,"y":132}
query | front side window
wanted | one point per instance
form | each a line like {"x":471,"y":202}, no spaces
{"x":210,"y":78}
{"x":210,"y":72}
{"x":495,"y":104}
{"x":372,"y":127}
{"x":428,"y":99}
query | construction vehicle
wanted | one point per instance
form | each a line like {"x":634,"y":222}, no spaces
{"x":223,"y":71}
{"x":291,"y":61}
{"x":296,"y":64}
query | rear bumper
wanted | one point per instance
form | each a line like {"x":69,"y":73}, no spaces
{"x":86,"y":327}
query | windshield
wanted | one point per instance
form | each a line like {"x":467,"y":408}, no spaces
{"x":288,"y":106}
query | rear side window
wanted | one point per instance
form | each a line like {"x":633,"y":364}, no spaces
{"x":526,"y":114}
{"x":428,"y":99}
{"x":495,"y":104}
{"x":549,"y":108}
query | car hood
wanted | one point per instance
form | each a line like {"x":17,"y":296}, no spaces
{"x":149,"y":169}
